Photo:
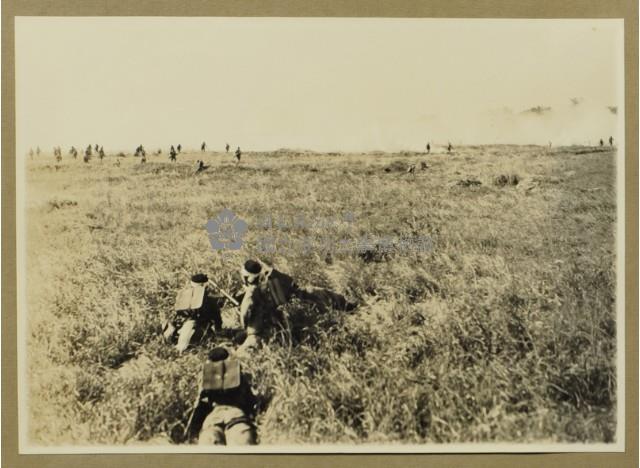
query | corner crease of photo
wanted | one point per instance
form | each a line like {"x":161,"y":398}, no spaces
{"x":500,"y":140}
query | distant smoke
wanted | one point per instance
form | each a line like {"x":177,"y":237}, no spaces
{"x":613,"y":109}
{"x":561,"y":122}
{"x":538,"y":110}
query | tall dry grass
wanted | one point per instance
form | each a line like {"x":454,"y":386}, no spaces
{"x":504,"y":331}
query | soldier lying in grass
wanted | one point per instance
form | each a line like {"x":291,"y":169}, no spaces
{"x":226,"y":405}
{"x":266,"y":290}
{"x":196,"y":310}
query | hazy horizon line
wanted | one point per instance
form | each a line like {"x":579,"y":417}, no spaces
{"x":150,"y":150}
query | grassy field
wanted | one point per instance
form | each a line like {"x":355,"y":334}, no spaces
{"x":504,"y":331}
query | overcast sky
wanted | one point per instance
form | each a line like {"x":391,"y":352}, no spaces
{"x":324,"y":84}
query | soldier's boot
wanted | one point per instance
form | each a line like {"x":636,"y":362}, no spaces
{"x":185,"y":334}
{"x":326,"y":299}
{"x":168,"y":331}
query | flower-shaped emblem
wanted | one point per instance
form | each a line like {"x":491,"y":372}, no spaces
{"x":226,"y":231}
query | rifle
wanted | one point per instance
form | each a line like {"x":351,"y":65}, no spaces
{"x":198,"y":415}
{"x":206,"y":330}
{"x":225,"y":293}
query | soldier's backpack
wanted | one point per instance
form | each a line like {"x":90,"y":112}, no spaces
{"x":221,"y":375}
{"x":189,"y":301}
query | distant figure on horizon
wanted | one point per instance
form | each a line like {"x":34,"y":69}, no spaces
{"x":238,"y":155}
{"x":227,"y":147}
{"x":172,"y":154}
{"x":201,"y":167}
{"x":449,"y":147}
{"x":428,"y":148}
{"x":179,"y":147}
{"x":203,"y":148}
{"x":601,"y":142}
{"x":88,"y":151}
{"x":611,"y":141}
{"x":31,"y":153}
{"x":101,"y":153}
{"x":96,"y":148}
{"x":38,"y":151}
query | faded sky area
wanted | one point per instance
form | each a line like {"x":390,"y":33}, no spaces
{"x":315,"y":83}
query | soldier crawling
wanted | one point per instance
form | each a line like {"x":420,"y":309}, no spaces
{"x":225,"y":409}
{"x":265,"y":291}
{"x":196,"y":309}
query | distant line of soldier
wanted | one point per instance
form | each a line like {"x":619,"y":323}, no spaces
{"x":174,"y":151}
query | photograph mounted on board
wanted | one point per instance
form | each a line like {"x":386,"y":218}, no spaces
{"x":320,"y":235}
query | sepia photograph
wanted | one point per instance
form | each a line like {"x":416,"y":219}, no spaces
{"x":322,"y":235}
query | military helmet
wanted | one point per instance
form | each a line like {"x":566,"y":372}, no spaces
{"x":199,"y":278}
{"x":251,"y":272}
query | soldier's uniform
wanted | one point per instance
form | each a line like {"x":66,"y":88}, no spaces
{"x":196,"y":309}
{"x":226,"y":404}
{"x":265,"y":290}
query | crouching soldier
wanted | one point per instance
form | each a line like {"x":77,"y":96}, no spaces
{"x":265,"y":291}
{"x":196,"y":309}
{"x":225,"y":410}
